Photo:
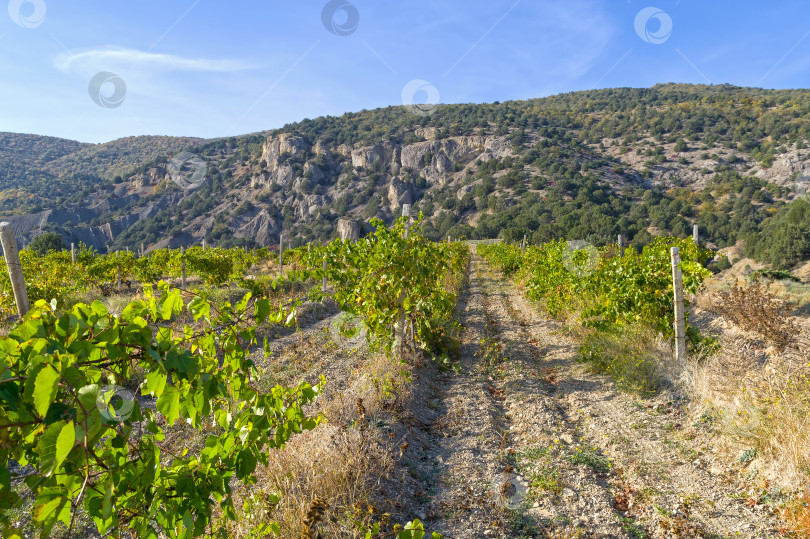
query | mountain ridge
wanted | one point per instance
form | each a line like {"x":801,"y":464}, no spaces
{"x":588,"y":164}
{"x":31,"y":166}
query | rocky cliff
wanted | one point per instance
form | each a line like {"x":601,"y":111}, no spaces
{"x":462,"y":166}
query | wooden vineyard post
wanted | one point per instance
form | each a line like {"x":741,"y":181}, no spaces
{"x":448,"y":240}
{"x":15,"y":273}
{"x":406,"y":212}
{"x":323,"y":288}
{"x":280,"y":254}
{"x":183,"y":267}
{"x":118,"y":276}
{"x":399,"y":326}
{"x":142,"y":250}
{"x":621,"y":246}
{"x":523,"y":245}
{"x":695,"y":235}
{"x":680,"y":320}
{"x":73,"y":253}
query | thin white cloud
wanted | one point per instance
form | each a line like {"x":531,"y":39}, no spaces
{"x":120,"y":58}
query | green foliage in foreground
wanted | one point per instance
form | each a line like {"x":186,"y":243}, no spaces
{"x":58,"y":378}
{"x":96,"y":447}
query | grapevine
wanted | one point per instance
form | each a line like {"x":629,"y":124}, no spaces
{"x":619,"y":290}
{"x":61,"y":366}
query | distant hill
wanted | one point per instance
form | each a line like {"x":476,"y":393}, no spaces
{"x":36,"y":150}
{"x":585,"y":165}
{"x":45,"y":172}
{"x":119,"y":157}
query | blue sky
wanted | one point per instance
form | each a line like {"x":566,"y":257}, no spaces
{"x":210,"y":68}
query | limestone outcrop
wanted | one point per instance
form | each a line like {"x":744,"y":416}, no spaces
{"x":348,"y":229}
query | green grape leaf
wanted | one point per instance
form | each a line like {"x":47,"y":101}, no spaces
{"x":263,"y":309}
{"x":65,"y":442}
{"x":168,"y":404}
{"x":199,"y":308}
{"x":54,"y":446}
{"x":45,"y":389}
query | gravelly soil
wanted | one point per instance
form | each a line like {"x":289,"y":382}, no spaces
{"x":522,"y":441}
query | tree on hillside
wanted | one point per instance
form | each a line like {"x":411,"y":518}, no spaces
{"x":784,"y":241}
{"x":45,"y":243}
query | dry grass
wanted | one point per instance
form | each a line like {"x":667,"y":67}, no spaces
{"x":771,"y":413}
{"x":766,"y":408}
{"x":756,"y":308}
{"x":763,"y":392}
{"x":797,"y":515}
{"x":382,"y":383}
{"x":338,"y":464}
{"x":759,"y":387}
{"x":797,"y":294}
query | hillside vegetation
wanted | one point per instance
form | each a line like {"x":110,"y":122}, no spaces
{"x":39,"y":172}
{"x":586,"y":165}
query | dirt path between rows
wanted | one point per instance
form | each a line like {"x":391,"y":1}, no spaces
{"x":522,"y":441}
